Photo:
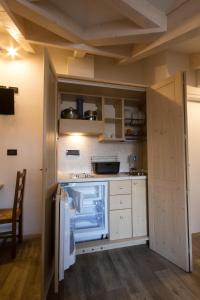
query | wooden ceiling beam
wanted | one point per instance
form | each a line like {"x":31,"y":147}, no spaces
{"x":141,"y":12}
{"x":79,"y":53}
{"x":12,"y":25}
{"x":186,"y":30}
{"x":48,"y":16}
{"x":48,"y":38}
{"x":195,"y":61}
{"x":78,"y":48}
{"x":119,"y":33}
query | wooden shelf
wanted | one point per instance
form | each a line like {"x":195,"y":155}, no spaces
{"x":84,"y":127}
{"x":111,"y":112}
{"x":112,"y":119}
{"x":103,"y":139}
{"x":135,"y":138}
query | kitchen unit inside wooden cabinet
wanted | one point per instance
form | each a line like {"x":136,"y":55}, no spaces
{"x":161,"y":130}
{"x":129,"y":116}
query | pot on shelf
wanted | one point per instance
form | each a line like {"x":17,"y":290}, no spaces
{"x":90,"y":115}
{"x":69,"y":113}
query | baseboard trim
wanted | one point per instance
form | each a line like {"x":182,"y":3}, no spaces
{"x":101,"y":245}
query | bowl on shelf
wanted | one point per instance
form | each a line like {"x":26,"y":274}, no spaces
{"x":90,"y":115}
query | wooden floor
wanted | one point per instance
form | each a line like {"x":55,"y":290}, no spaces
{"x":122,"y":274}
{"x":130,"y":274}
{"x":20,"y":278}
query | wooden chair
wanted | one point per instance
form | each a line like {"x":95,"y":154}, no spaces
{"x":15,"y":215}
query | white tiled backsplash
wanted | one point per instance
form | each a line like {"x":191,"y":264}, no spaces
{"x":89,"y":146}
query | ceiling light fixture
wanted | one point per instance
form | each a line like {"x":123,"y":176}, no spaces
{"x":12,"y":52}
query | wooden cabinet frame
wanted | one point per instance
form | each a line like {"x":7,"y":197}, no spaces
{"x":166,"y":198}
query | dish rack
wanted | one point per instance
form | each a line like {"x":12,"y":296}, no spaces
{"x":112,"y":158}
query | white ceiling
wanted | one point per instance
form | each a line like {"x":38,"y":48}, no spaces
{"x":80,"y":11}
{"x":188,"y":46}
{"x":114,"y":28}
{"x":167,"y":5}
{"x":102,"y":12}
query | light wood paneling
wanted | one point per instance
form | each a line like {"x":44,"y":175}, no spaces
{"x":168,"y":219}
{"x":85,"y":127}
{"x":49,"y":170}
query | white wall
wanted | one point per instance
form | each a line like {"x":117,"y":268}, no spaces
{"x":194,"y":163}
{"x":23,"y":132}
{"x":88,"y":147}
{"x":109,"y":69}
{"x":162,"y":65}
{"x":102,"y":69}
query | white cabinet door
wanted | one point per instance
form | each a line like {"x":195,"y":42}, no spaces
{"x":139,"y":207}
{"x":120,"y":224}
{"x":60,"y":243}
{"x":120,"y":187}
{"x":120,"y":202}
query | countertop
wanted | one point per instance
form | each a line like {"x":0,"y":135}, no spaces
{"x":66,"y":177}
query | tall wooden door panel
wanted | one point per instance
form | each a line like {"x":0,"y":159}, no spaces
{"x":49,"y":171}
{"x":167,"y":186}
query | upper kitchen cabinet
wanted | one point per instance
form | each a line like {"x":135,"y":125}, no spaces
{"x":114,"y":112}
{"x":79,"y":112}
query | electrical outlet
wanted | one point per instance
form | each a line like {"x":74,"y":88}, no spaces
{"x":11,"y":152}
{"x":73,"y":152}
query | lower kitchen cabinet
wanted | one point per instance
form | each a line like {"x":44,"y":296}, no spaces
{"x":128,"y":211}
{"x":120,"y":202}
{"x":139,"y":208}
{"x":120,"y":224}
{"x":120,"y":187}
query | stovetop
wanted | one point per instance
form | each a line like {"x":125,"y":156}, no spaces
{"x":82,"y":175}
{"x":137,"y":172}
